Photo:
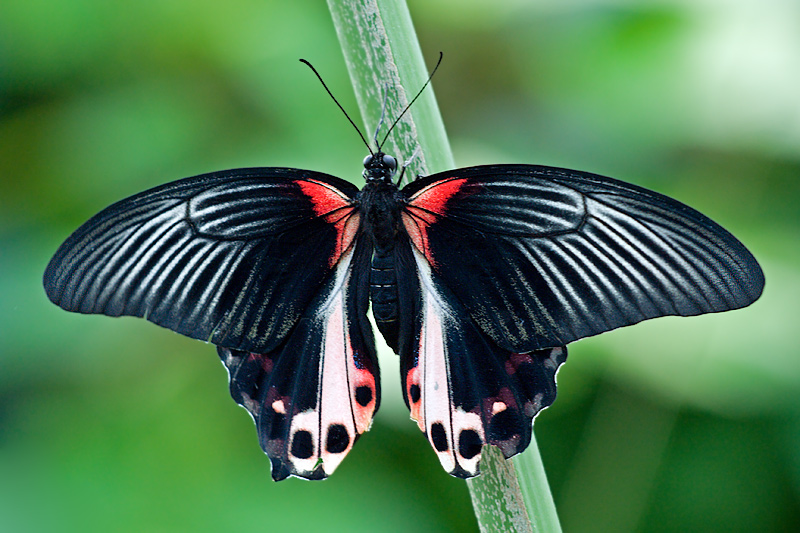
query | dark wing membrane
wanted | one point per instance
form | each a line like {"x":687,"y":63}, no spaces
{"x":316,"y":393}
{"x":463,"y":390}
{"x":232,"y":257}
{"x":540,"y":257}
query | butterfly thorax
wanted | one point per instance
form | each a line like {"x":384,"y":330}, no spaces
{"x":380,"y":201}
{"x":380,"y":204}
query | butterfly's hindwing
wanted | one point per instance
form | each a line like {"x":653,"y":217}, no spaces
{"x":223,"y":257}
{"x":462,"y":389}
{"x":541,"y":257}
{"x":313,"y":396}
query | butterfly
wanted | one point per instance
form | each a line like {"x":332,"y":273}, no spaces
{"x":476,"y":277}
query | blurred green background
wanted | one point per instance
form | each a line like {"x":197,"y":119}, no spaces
{"x":672,"y":425}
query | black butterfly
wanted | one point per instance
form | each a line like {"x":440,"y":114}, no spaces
{"x":477,"y":278}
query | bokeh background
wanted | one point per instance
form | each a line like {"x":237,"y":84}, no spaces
{"x":672,"y":425}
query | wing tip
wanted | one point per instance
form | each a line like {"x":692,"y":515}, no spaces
{"x":283,"y":470}
{"x":755,"y":280}
{"x":462,"y":473}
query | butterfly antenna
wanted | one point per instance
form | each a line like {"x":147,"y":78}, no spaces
{"x":340,"y":105}
{"x":383,"y":112}
{"x":407,"y":162}
{"x":430,"y":77}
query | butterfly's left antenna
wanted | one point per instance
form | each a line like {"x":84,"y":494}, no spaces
{"x":340,"y":105}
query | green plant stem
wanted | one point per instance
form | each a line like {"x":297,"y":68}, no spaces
{"x":535,"y":489}
{"x":386,"y":65}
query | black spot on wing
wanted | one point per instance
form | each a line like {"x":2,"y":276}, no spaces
{"x":363,"y":395}
{"x":469,"y":444}
{"x":338,"y":439}
{"x":439,"y":437}
{"x":414,"y":393}
{"x":302,"y":444}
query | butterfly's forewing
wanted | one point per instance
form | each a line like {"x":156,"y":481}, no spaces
{"x":312,"y":397}
{"x":263,"y":263}
{"x":541,"y":257}
{"x":463,"y":390}
{"x":222,"y":257}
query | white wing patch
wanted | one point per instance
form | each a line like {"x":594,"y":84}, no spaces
{"x":455,"y":434}
{"x":322,"y":436}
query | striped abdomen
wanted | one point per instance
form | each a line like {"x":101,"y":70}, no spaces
{"x":383,"y":292}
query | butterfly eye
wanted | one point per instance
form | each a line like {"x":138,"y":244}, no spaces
{"x":390,"y":162}
{"x":368,"y":160}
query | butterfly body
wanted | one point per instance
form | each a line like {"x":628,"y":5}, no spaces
{"x":477,"y":278}
{"x":381,"y":203}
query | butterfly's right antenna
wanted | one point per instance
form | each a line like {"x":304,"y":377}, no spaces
{"x":412,"y":100}
{"x":338,"y":104}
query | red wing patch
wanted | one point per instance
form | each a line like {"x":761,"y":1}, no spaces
{"x":426,"y":207}
{"x":337,"y":209}
{"x":435,"y":196}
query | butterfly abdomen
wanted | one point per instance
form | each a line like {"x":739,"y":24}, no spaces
{"x":383,"y":293}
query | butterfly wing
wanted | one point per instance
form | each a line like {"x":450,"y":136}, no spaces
{"x":462,"y":389}
{"x":262,"y":262}
{"x":541,"y":257}
{"x":514,"y":262}
{"x":314,"y":395}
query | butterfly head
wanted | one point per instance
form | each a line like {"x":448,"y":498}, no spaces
{"x":379,"y":167}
